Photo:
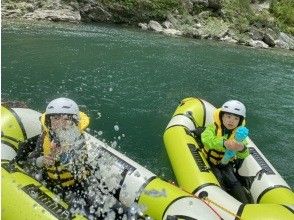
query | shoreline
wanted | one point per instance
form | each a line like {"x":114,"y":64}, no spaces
{"x":204,"y":25}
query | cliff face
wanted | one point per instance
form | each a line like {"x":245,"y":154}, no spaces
{"x":256,"y":23}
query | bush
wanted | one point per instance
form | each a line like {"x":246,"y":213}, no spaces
{"x":239,"y":13}
{"x":143,"y":10}
{"x":283,"y":10}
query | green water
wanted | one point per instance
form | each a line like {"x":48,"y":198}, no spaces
{"x":135,"y":80}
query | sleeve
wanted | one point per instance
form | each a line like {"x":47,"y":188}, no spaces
{"x":210,"y":140}
{"x":243,"y":153}
{"x":26,"y":147}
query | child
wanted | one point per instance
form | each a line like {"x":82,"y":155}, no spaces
{"x":220,"y":137}
{"x":61,"y":151}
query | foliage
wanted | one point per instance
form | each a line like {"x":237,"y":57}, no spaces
{"x":239,"y":13}
{"x":146,"y":9}
{"x":283,"y":10}
{"x":263,"y":19}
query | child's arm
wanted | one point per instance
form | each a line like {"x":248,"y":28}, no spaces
{"x":210,"y":140}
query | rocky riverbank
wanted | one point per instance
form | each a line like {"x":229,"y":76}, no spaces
{"x":232,"y":21}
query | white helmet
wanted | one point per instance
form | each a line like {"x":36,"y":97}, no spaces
{"x":63,"y":106}
{"x":234,"y":107}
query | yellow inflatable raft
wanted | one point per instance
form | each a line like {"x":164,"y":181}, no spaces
{"x":273,"y":198}
{"x":24,"y":197}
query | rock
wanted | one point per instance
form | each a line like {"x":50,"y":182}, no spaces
{"x":194,"y":33}
{"x":269,"y":40}
{"x":287,"y":39}
{"x":154,"y":25}
{"x":54,"y":15}
{"x":94,"y":12}
{"x":143,"y":26}
{"x":167,"y":24}
{"x":12,"y":13}
{"x":172,"y":32}
{"x":228,"y":39}
{"x":258,"y":44}
{"x":197,"y":25}
{"x":281,"y":44}
{"x":256,"y":34}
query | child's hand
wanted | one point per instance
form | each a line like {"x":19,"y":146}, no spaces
{"x":233,"y":145}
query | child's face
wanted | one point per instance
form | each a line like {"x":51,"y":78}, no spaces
{"x":230,"y":121}
{"x":60,"y":122}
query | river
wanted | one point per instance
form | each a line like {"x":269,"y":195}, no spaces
{"x":130,"y":82}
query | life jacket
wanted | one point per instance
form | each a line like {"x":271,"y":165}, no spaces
{"x":215,"y":156}
{"x":58,"y":172}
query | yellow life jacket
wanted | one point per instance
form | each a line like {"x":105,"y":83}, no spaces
{"x":215,"y":156}
{"x":58,"y":172}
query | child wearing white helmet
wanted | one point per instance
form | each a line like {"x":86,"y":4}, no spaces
{"x":225,"y":146}
{"x":62,"y":154}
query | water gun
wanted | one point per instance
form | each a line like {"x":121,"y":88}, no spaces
{"x":240,"y":135}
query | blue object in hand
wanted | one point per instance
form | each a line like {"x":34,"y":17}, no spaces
{"x":229,"y":154}
{"x":241,"y":133}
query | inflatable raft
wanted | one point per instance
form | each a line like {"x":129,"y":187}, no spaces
{"x":24,"y":197}
{"x":272,"y":196}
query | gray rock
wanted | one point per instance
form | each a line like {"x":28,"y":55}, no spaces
{"x":228,"y":39}
{"x":54,"y":15}
{"x":12,"y":13}
{"x":256,"y":34}
{"x":95,"y":12}
{"x":281,"y":44}
{"x":172,"y":32}
{"x":167,"y":24}
{"x":143,"y":26}
{"x":269,"y":40}
{"x":197,"y":25}
{"x":287,"y":39}
{"x":258,"y":44}
{"x":155,"y":26}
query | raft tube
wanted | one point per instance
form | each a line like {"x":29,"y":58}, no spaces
{"x":23,"y":197}
{"x":272,"y":196}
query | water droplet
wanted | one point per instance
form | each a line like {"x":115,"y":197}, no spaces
{"x":116,"y":127}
